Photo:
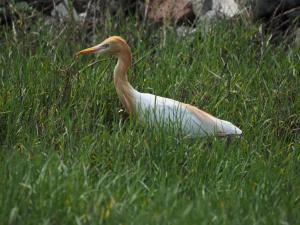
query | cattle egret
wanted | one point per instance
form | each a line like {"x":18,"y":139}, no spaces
{"x":155,"y":109}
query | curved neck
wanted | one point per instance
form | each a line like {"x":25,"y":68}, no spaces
{"x":123,"y":88}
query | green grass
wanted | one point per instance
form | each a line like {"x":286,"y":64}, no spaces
{"x":69,"y":155}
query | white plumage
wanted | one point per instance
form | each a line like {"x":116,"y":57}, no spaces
{"x":168,"y":112}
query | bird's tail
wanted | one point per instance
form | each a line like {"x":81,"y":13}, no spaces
{"x":227,"y":128}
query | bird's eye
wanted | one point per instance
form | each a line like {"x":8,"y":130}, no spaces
{"x":105,"y":46}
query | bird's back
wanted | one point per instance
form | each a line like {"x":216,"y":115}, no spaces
{"x":189,"y":119}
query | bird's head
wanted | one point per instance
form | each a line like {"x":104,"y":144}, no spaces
{"x":113,"y":45}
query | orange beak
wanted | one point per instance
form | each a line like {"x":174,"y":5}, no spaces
{"x":91,"y":50}
{"x":87,"y":51}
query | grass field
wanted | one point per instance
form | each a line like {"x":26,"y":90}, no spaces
{"x":70,"y":155}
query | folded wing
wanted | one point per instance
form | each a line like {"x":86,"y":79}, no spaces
{"x":193,"y":121}
{"x":212,"y":125}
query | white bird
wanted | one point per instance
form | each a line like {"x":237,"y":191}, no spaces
{"x":155,"y":109}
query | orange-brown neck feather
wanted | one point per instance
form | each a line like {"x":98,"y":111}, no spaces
{"x":123,"y":88}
